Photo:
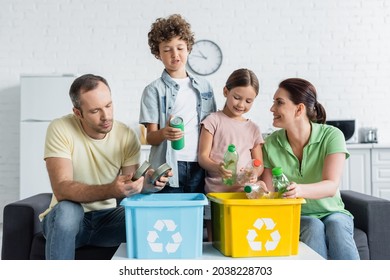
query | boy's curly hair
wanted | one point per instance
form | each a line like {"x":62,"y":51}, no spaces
{"x":165,"y":29}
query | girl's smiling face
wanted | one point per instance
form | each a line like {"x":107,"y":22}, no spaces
{"x":239,"y":100}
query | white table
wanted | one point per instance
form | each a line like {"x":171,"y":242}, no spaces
{"x":210,"y":253}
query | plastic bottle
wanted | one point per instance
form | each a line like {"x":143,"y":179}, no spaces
{"x":253,"y":191}
{"x":230,"y":160}
{"x":250,"y":171}
{"x":279,"y":181}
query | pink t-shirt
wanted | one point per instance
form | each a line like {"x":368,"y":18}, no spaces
{"x":245,"y":135}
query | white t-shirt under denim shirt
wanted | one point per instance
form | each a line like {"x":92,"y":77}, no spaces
{"x":185,"y":108}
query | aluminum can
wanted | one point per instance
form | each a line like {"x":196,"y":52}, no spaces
{"x":141,"y":170}
{"x":160,"y":171}
{"x":177,"y":122}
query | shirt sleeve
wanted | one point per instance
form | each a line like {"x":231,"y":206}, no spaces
{"x":336,"y":142}
{"x":149,"y":111}
{"x":132,"y":149}
{"x":57,"y":144}
{"x":209,"y":123}
{"x":270,"y":143}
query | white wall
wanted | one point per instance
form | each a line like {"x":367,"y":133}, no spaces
{"x":342,"y":47}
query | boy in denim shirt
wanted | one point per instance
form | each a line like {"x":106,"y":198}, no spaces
{"x":175,"y":93}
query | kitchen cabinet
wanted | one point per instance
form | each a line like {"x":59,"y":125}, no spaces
{"x":357,"y":169}
{"x":368,"y":170}
{"x":381,"y":172}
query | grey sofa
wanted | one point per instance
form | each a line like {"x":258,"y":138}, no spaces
{"x":372,"y":224}
{"x":22,"y":233}
{"x":23,"y":239}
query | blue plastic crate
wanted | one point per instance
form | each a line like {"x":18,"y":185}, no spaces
{"x":164,"y":226}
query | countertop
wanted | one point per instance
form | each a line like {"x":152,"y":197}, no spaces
{"x":352,"y":146}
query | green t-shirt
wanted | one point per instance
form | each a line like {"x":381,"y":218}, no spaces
{"x":324,"y":140}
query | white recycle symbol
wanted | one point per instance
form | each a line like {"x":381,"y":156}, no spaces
{"x":153,"y":237}
{"x":271,"y":243}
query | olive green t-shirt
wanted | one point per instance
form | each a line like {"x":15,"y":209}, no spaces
{"x":324,"y":140}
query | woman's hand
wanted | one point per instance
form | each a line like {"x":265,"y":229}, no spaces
{"x":293,"y":191}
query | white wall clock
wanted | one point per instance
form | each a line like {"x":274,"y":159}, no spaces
{"x":205,"y":57}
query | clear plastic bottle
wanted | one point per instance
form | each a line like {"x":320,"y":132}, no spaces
{"x":255,"y":191}
{"x":250,"y":172}
{"x":230,"y":160}
{"x":279,"y":181}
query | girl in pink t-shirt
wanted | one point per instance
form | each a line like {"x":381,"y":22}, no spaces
{"x":229,"y":126}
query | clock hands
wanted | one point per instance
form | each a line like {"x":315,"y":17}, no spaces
{"x":194,"y":55}
{"x":205,"y":57}
{"x":201,"y":55}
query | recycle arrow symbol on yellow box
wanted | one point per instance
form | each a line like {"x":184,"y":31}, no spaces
{"x":271,"y":243}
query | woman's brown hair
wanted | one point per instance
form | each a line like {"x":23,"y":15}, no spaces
{"x":302,"y":91}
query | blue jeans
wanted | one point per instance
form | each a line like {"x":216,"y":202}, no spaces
{"x":66,"y":227}
{"x":191,"y":179}
{"x":331,"y":236}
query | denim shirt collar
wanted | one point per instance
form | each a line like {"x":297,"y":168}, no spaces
{"x":171,"y":83}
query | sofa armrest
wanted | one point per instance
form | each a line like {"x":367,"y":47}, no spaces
{"x":372,"y":215}
{"x":20,"y":224}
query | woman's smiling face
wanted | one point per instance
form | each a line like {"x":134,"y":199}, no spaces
{"x":283,"y":109}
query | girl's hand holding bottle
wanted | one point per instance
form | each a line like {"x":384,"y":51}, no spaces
{"x":225,"y":173}
{"x":250,"y":173}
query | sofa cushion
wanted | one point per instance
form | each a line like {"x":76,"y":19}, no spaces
{"x":362,"y":244}
{"x":38,"y":247}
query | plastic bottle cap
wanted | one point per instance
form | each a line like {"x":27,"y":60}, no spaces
{"x":277,"y":171}
{"x":247,"y":189}
{"x":231,"y":148}
{"x":256,"y":162}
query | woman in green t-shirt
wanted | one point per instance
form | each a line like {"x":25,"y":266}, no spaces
{"x":312,"y":155}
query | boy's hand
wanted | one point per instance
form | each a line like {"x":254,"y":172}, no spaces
{"x":171,"y":133}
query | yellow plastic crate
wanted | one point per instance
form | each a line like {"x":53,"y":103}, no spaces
{"x":245,"y":227}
